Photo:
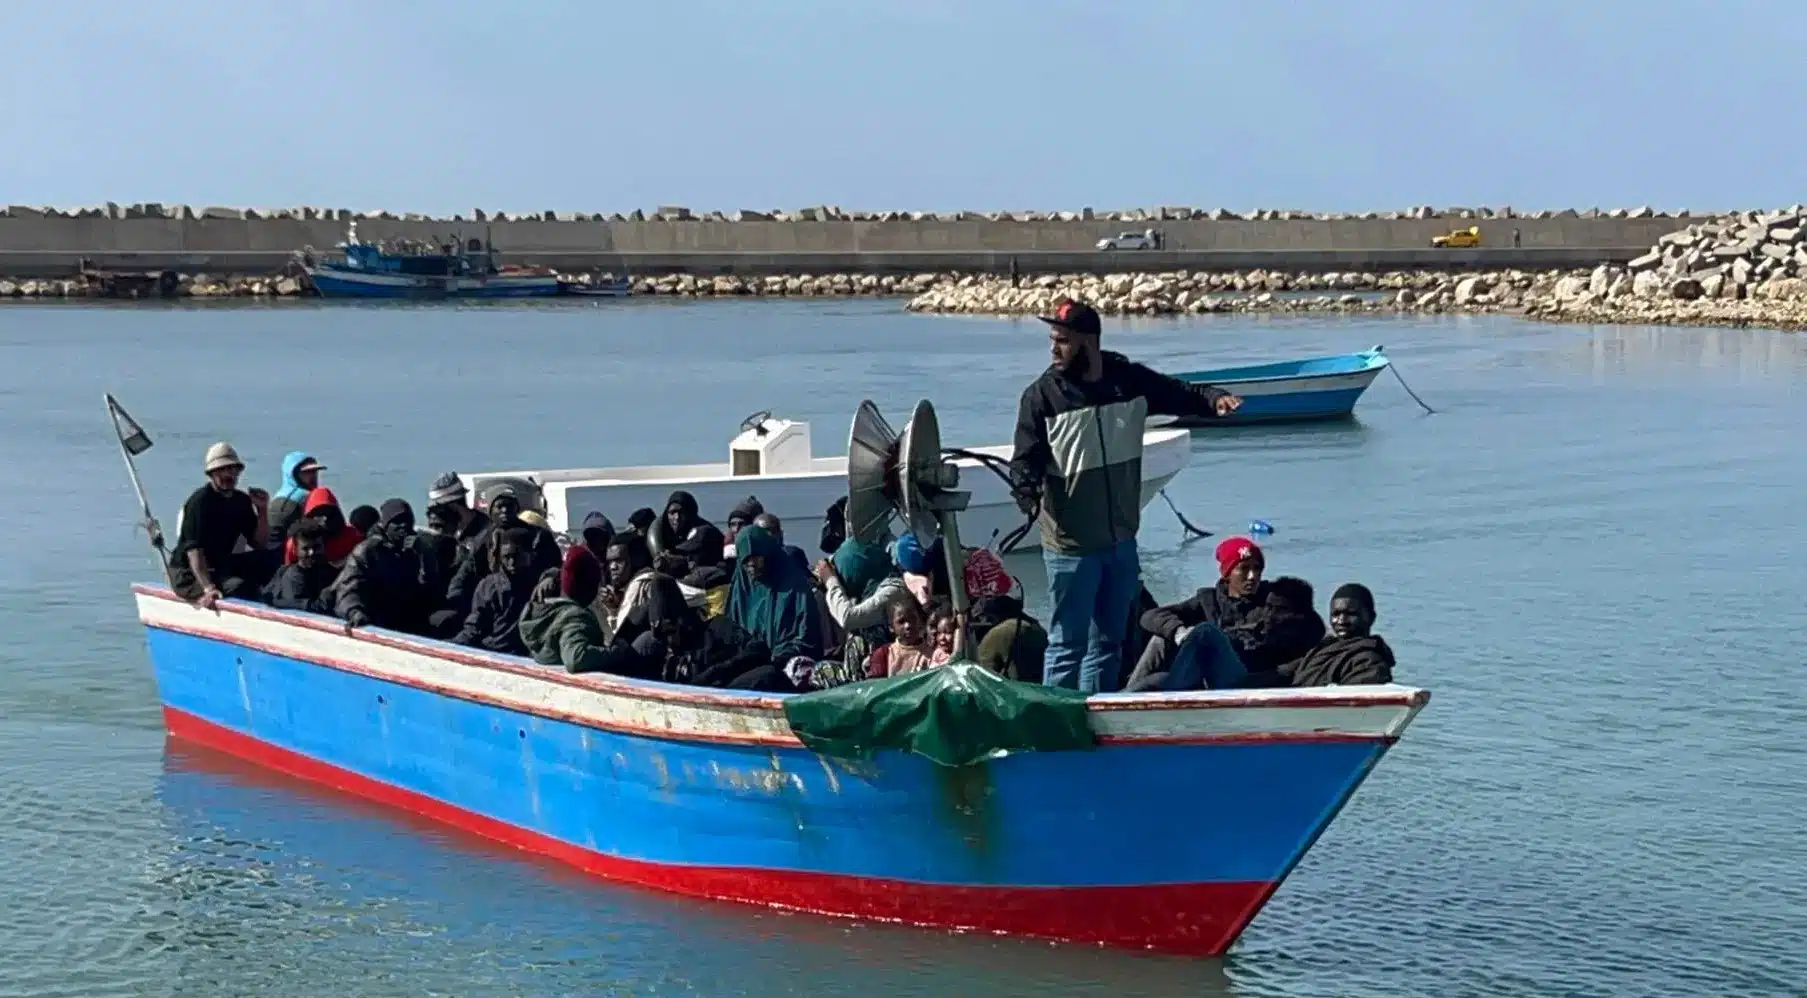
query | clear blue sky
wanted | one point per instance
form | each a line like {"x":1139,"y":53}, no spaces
{"x":445,"y":105}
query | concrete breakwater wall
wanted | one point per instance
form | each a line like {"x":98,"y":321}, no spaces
{"x":51,"y":244}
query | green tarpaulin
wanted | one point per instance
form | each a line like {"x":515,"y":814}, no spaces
{"x":955,"y":715}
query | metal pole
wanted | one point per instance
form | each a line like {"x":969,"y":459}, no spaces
{"x":151,"y":527}
{"x":955,"y":556}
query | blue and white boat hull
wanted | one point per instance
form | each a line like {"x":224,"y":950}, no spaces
{"x":1170,"y":834}
{"x":1319,"y":388}
{"x":334,"y":282}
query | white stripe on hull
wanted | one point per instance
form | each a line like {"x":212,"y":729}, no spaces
{"x":697,"y":714}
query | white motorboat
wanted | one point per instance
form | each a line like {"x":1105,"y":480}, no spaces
{"x":772,"y":460}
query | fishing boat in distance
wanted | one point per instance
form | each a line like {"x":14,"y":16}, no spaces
{"x":952,"y":798}
{"x":607,"y":287}
{"x":1292,"y":391}
{"x":412,"y":269}
{"x":773,"y":459}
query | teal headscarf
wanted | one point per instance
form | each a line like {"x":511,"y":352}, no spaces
{"x":779,"y":609}
{"x":862,"y":566}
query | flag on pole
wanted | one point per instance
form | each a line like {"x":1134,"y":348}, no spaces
{"x":131,"y":436}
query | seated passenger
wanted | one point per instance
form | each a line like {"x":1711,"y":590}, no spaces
{"x":1352,"y":655}
{"x":677,"y":645}
{"x":364,"y":518}
{"x":774,"y":599}
{"x":300,"y":476}
{"x":1238,"y":625}
{"x":919,"y":567}
{"x":641,"y":520}
{"x":627,"y":560}
{"x":389,"y":581}
{"x":340,"y":537}
{"x":500,"y":597}
{"x":596,"y":533}
{"x":947,"y":634}
{"x":859,"y":584}
{"x":505,"y":503}
{"x":305,"y":582}
{"x":1015,"y":648}
{"x":742,"y":515}
{"x":669,"y":534}
{"x":207,"y":564}
{"x":707,"y":574}
{"x":771,"y":525}
{"x":911,"y":648}
{"x":562,"y":630}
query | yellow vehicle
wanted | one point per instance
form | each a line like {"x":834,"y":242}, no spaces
{"x":1459,"y":239}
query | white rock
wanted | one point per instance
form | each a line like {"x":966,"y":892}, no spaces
{"x":1646,"y":284}
{"x":1570,"y":287}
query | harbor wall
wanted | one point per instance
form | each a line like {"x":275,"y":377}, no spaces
{"x":35,"y":243}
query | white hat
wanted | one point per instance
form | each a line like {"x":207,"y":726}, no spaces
{"x":221,"y":455}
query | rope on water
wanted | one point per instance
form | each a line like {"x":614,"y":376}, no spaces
{"x":1195,"y":531}
{"x":1408,"y":388}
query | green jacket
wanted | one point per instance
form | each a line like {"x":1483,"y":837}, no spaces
{"x":558,"y":631}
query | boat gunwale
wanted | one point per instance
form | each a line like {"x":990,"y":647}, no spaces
{"x":1154,"y":436}
{"x":743,"y":702}
{"x":1373,"y":362}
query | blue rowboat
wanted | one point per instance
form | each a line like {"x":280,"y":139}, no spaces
{"x":1169,"y":834}
{"x":1291,"y":391}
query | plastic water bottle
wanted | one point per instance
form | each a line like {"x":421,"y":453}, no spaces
{"x":1260,"y":528}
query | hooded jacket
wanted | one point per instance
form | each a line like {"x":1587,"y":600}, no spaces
{"x":479,"y":560}
{"x":496,"y":609}
{"x":307,"y":590}
{"x":287,"y":501}
{"x":560,"y":631}
{"x":1342,"y":662}
{"x":340,"y":545}
{"x":1079,"y":449}
{"x":779,"y":610}
{"x":391,"y":587}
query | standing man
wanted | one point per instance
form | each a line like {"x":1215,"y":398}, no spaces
{"x":1078,"y":467}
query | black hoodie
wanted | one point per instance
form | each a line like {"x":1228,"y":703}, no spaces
{"x":1342,"y":662}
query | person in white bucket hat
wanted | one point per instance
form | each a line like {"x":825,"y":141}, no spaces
{"x":221,"y":549}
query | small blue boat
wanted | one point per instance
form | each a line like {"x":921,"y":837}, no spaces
{"x":1292,"y":391}
{"x":457,"y":270}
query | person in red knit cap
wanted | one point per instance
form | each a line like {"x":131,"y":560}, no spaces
{"x":1242,"y":624}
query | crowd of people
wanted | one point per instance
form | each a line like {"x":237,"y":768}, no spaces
{"x":670,"y":596}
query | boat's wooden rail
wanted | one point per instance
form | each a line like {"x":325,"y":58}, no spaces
{"x":686,"y":713}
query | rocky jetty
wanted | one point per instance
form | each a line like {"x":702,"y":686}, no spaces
{"x":1604,"y":294}
{"x":818,"y":213}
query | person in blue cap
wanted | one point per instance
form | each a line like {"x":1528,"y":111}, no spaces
{"x":1077,"y":468}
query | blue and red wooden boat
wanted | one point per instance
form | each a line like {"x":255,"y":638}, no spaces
{"x":1169,"y":835}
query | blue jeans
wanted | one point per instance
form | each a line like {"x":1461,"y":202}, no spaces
{"x":1092,"y":596}
{"x":1206,"y":661}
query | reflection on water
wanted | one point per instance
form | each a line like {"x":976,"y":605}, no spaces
{"x":260,"y":865}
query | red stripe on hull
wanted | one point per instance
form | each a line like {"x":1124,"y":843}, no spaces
{"x":1184,"y":919}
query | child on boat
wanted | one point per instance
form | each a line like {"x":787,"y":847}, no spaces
{"x":949,"y":636}
{"x":911,"y":648}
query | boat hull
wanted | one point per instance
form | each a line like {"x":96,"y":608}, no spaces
{"x":707,"y":793}
{"x":335,"y":283}
{"x":1299,"y":396}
